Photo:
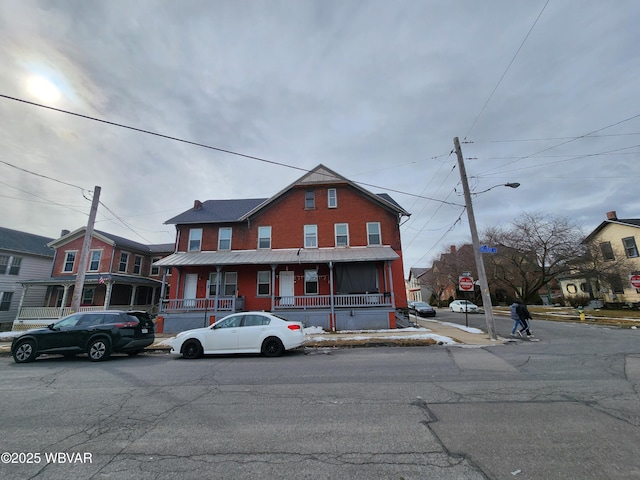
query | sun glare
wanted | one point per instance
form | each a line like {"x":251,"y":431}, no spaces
{"x":43,"y":89}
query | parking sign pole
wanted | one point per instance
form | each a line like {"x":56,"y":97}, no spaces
{"x":482,"y":274}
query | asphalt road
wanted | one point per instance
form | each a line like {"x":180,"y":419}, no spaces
{"x":564,"y":407}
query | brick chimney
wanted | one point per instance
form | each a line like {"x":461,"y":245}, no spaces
{"x":197,"y":205}
{"x":612,"y":215}
{"x":452,"y":249}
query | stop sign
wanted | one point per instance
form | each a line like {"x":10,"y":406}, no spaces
{"x":466,"y":283}
{"x":635,"y":281}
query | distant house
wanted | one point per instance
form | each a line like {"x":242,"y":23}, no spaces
{"x":323,"y":250}
{"x":119,"y":275}
{"x":22,"y":256}
{"x":604,"y":275}
{"x":418,"y":289}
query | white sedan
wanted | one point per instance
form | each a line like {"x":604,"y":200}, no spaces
{"x":463,"y":306}
{"x":246,"y":332}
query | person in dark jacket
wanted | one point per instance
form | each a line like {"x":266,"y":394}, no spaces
{"x":515,"y":316}
{"x":524,"y":316}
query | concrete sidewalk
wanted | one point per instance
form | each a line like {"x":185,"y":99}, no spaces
{"x":431,"y":332}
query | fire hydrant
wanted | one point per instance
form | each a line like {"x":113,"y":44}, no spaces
{"x":581,"y":314}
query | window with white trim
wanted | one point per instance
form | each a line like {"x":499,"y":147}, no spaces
{"x":195,"y":239}
{"x":69,"y":260}
{"x":311,"y":282}
{"x":224,"y":238}
{"x":373,"y":233}
{"x":213,"y":283}
{"x":332,"y":198}
{"x":264,"y":283}
{"x":264,"y":237}
{"x":230,"y":284}
{"x":14,"y":269}
{"x":342,"y":234}
{"x":309,"y":199}
{"x":4,"y":263}
{"x":137,"y":264}
{"x":155,"y":271}
{"x":630,"y":247}
{"x":87,"y":296}
{"x":5,"y":301}
{"x":94,"y":260}
{"x":310,"y":236}
{"x":123,"y":264}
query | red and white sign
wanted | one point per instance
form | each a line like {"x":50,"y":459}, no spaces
{"x":465,"y":283}
{"x":635,"y":281}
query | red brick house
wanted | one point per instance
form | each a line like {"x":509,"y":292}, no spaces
{"x":324,"y":251}
{"x":119,"y":275}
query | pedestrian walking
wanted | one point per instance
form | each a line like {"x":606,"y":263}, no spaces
{"x":524,"y":316}
{"x":515,"y":316}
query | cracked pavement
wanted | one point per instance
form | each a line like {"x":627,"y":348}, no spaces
{"x":564,"y":407}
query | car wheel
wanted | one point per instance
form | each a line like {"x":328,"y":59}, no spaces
{"x":272,"y":347}
{"x":99,"y":350}
{"x":192,"y":349}
{"x":25,"y":351}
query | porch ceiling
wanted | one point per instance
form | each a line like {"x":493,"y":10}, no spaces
{"x":279,"y":257}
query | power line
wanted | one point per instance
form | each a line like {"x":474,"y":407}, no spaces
{"x":506,"y":70}
{"x":189,"y":142}
{"x":41,"y":175}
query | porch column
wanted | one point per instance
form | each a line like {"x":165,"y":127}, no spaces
{"x":163,"y":288}
{"x":393,"y":295}
{"x":107,"y":295}
{"x":25,"y":288}
{"x":331,"y":299}
{"x":273,"y":287}
{"x":215,"y":307}
{"x":132,"y":299}
{"x":64,"y":299}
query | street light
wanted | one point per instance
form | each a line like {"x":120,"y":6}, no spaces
{"x":482,"y":274}
{"x":510,"y":185}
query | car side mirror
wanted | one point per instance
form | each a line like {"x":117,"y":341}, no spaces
{"x":51,"y":326}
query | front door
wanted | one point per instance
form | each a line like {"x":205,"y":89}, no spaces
{"x":190,"y":289}
{"x":286,"y":288}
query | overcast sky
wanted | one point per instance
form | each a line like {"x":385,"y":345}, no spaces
{"x":544,"y":93}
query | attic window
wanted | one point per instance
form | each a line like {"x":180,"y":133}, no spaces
{"x":310,"y":199}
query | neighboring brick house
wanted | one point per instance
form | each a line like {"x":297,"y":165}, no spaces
{"x":603,"y":276}
{"x":119,"y":275}
{"x":22,"y":256}
{"x":323,"y":250}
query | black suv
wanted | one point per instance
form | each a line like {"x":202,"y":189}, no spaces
{"x":97,"y":334}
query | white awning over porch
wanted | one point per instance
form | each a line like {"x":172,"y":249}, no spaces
{"x":280,"y":256}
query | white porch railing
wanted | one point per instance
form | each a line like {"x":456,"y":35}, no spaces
{"x":36,"y":313}
{"x":227,"y":304}
{"x":339,"y":301}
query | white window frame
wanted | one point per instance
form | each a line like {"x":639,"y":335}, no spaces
{"x":221,"y":239}
{"x":212,"y":283}
{"x":5,"y":299}
{"x":630,"y":247}
{"x":14,"y":265}
{"x":309,"y":199}
{"x":155,"y":270}
{"x":310,"y":277}
{"x":341,"y":235}
{"x":137,"y":264}
{"x":311,"y":236}
{"x":263,"y":278}
{"x":230,"y":280}
{"x":195,"y":240}
{"x":332,"y":198}
{"x":92,"y":253}
{"x":264,"y":235}
{"x":126,"y":262}
{"x":68,"y":253}
{"x":88,"y":295}
{"x":4,"y":264}
{"x":370,"y":233}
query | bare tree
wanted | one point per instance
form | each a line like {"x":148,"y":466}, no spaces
{"x":533,"y":251}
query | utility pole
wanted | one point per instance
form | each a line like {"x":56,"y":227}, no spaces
{"x":84,"y":255}
{"x":482,"y":274}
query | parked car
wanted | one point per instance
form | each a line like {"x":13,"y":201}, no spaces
{"x":246,"y":332}
{"x":463,"y":306}
{"x":422,"y":309}
{"x":98,"y":334}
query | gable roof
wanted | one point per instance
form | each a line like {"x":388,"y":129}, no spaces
{"x":114,"y":240}
{"x":629,"y":222}
{"x":23,"y":242}
{"x":225,"y":211}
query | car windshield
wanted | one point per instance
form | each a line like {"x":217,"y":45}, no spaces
{"x":421,"y":304}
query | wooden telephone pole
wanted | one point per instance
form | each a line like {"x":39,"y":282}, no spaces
{"x":84,"y":255}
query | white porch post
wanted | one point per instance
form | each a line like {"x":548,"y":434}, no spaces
{"x":215,"y":307}
{"x":132,"y":300}
{"x":273,"y":287}
{"x":107,"y":295}
{"x":25,"y":288}
{"x":162,"y":288}
{"x":63,"y":304}
{"x":331,"y":297}
{"x":393,"y":295}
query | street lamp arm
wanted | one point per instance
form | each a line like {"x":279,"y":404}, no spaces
{"x":510,"y":185}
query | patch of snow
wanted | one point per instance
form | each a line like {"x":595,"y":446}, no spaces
{"x":462,"y":327}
